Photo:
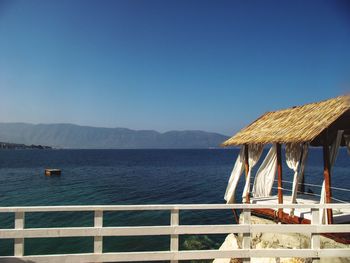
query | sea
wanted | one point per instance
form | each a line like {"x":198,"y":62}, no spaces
{"x":118,"y":177}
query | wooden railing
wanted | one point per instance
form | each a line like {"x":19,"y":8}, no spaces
{"x":174,"y":230}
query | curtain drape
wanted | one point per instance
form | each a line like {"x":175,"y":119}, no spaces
{"x":295,"y":161}
{"x":265,"y":175}
{"x":234,"y":178}
{"x":254,"y":153}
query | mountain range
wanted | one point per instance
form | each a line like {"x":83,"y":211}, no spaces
{"x":85,"y":137}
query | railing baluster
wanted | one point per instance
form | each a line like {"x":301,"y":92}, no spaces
{"x":19,"y":233}
{"x":174,"y":239}
{"x":315,"y":237}
{"x":19,"y":242}
{"x":246,"y":236}
{"x":98,"y":222}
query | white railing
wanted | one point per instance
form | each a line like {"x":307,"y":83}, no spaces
{"x":174,"y":229}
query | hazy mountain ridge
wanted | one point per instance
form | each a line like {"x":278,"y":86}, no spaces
{"x":86,"y":137}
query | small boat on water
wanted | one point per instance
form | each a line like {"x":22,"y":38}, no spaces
{"x":50,"y":172}
{"x":323,"y":124}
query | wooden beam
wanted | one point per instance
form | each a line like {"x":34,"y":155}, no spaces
{"x":327,"y":178}
{"x":279,"y":179}
{"x":246,"y":167}
{"x":234,"y":212}
{"x":301,"y":185}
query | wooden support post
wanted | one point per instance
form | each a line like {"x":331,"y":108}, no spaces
{"x":301,"y":185}
{"x":246,"y":167}
{"x":246,"y":236}
{"x":279,"y":179}
{"x":98,"y":240}
{"x":234,"y":212}
{"x":327,"y":178}
{"x":174,"y":239}
{"x":19,"y":242}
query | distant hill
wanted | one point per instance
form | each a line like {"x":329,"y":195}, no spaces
{"x":85,"y":137}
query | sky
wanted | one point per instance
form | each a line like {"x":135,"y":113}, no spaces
{"x":169,"y":65}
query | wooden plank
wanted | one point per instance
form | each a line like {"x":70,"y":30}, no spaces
{"x":19,"y":242}
{"x":278,"y":228}
{"x":169,"y":230}
{"x":279,"y":179}
{"x":246,"y":168}
{"x":340,"y":228}
{"x":98,"y":223}
{"x":174,"y":238}
{"x":181,"y":255}
{"x":122,"y":231}
{"x":164,"y":207}
{"x":302,"y":228}
{"x":211,"y":229}
{"x":336,"y":252}
{"x":327,"y":177}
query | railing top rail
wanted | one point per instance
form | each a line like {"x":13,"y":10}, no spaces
{"x":157,"y":207}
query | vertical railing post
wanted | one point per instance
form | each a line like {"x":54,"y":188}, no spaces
{"x":246,"y":236}
{"x":174,"y":239}
{"x":315,"y":237}
{"x":19,"y":242}
{"x":98,"y":240}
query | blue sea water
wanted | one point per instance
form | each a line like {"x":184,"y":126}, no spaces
{"x":117,"y":177}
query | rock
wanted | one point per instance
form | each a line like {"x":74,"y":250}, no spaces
{"x":282,"y":240}
{"x":229,"y":244}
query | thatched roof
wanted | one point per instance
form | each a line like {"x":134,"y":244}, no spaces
{"x":297,"y":124}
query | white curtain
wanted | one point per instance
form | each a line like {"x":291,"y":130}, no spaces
{"x":234,"y":178}
{"x":265,"y":176}
{"x":254,"y":153}
{"x":332,"y":157}
{"x":303,"y":161}
{"x":295,"y":161}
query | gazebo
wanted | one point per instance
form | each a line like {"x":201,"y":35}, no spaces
{"x":322,"y":124}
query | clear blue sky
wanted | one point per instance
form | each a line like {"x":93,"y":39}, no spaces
{"x":169,"y":65}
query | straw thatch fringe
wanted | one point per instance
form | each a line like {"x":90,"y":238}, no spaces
{"x":297,"y":124}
